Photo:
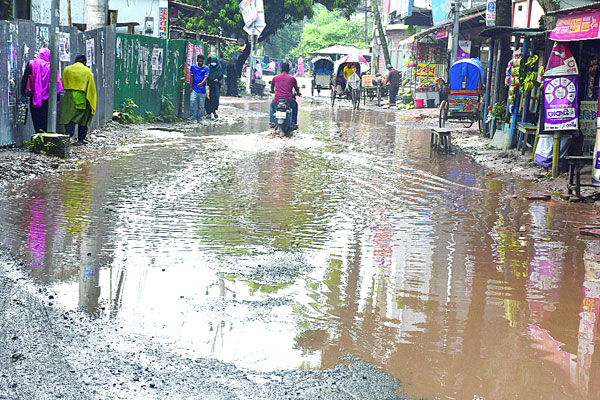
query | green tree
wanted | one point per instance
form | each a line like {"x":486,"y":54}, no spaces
{"x":280,"y":45}
{"x":329,"y":27}
{"x":225,"y":15}
{"x":5,"y":9}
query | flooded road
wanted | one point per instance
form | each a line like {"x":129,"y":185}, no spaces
{"x":349,"y":239}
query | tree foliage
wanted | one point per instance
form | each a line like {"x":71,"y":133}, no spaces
{"x":5,"y":9}
{"x":329,"y":27}
{"x":223,"y":16}
{"x":280,"y":45}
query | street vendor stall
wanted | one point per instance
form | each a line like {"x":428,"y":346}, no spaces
{"x":430,"y":64}
{"x":570,"y":89}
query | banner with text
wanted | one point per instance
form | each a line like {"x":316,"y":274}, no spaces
{"x":560,"y":103}
{"x":439,"y":12}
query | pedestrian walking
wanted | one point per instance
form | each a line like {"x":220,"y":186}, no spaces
{"x":222,"y":63}
{"x":35,"y":84}
{"x":232,"y":78}
{"x":215,"y":75}
{"x":300,"y":68}
{"x":79,"y":101}
{"x":393,"y":79}
{"x":198,"y":93}
{"x":258,"y":71}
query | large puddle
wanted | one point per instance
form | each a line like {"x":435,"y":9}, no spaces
{"x":350,"y":238}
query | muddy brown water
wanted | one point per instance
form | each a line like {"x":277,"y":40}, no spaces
{"x":351,"y":238}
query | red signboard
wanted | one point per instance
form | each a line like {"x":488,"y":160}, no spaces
{"x":163,"y":22}
{"x":190,"y":61}
{"x":579,"y":25}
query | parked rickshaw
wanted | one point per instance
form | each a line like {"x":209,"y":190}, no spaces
{"x":351,"y":88}
{"x":464,"y":97}
{"x":322,"y":67}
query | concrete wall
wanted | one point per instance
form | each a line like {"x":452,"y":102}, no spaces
{"x":40,"y":11}
{"x":129,"y":11}
{"x":520,"y":16}
{"x":24,"y":39}
{"x":137,"y":11}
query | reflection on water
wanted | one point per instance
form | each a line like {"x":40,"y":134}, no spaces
{"x":349,"y":238}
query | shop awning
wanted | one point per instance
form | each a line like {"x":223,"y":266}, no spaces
{"x":480,"y":14}
{"x":496,"y":31}
{"x":578,"y":25}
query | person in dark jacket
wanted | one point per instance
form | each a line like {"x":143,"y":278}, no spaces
{"x":232,"y":77}
{"x":214,"y":87}
{"x":393,"y":79}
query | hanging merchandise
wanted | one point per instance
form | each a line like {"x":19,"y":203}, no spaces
{"x":513,"y":79}
{"x":560,"y":90}
{"x":596,"y":171}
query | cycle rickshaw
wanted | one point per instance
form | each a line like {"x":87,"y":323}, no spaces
{"x":322,"y":67}
{"x":464,"y":97}
{"x":351,"y":88}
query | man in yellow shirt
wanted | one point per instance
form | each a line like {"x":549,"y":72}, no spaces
{"x":79,"y":101}
{"x":349,"y":69}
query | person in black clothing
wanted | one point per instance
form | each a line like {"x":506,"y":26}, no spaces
{"x":232,"y":78}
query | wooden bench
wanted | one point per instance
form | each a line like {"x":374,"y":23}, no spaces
{"x":441,"y":139}
{"x":525,"y":130}
{"x":576,"y":163}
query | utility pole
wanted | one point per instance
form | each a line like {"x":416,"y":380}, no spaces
{"x":54,"y":22}
{"x":96,"y":13}
{"x":251,"y":70}
{"x":455,"y":31}
{"x":382,"y":38}
{"x":70,"y":22}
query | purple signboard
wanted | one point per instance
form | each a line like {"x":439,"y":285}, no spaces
{"x":560,"y":103}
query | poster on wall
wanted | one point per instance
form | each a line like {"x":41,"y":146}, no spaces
{"x":163,"y":24}
{"x":42,"y":38}
{"x":560,"y":103}
{"x":64,"y":46}
{"x":157,"y":59}
{"x":190,"y":61}
{"x":464,"y":49}
{"x":439,"y":11}
{"x":90,"y":52}
{"x":12,"y":65}
{"x":588,"y":113}
{"x":199,"y":51}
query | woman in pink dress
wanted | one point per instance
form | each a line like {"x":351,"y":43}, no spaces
{"x":300,"y":69}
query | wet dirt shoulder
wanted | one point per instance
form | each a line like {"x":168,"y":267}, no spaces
{"x":18,"y":164}
{"x":512,"y":162}
{"x":47,"y":352}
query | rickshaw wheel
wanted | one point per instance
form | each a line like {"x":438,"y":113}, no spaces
{"x":480,"y":122}
{"x":332,"y":96}
{"x":355,"y":98}
{"x":443,"y":114}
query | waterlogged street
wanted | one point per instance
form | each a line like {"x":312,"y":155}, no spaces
{"x":346,"y":262}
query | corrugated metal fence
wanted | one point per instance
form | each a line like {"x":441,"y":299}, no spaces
{"x":19,"y":42}
{"x":134,"y":67}
{"x":147,"y":68}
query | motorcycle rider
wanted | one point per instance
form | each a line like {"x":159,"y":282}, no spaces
{"x":283,"y":85}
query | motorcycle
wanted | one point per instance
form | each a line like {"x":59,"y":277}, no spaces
{"x":283,"y":119}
